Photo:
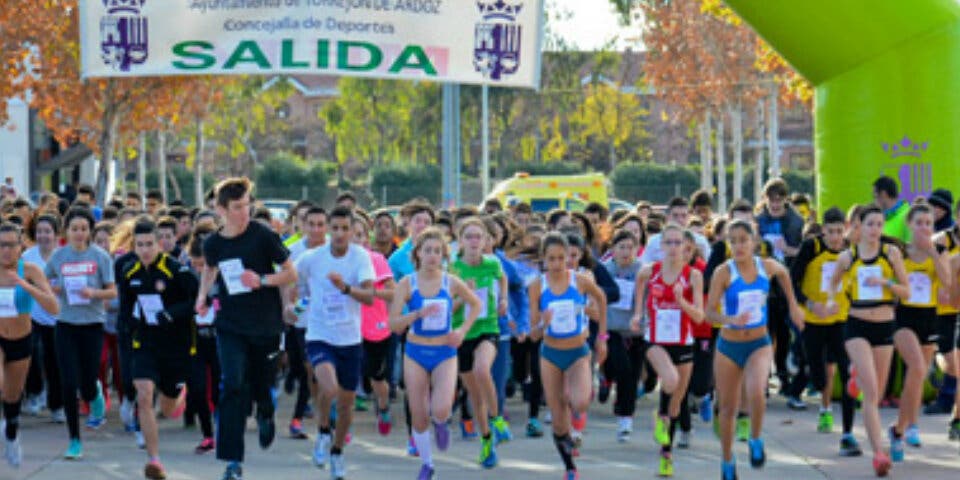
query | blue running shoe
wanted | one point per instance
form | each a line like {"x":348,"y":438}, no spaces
{"x":758,"y":456}
{"x":706,"y":408}
{"x":896,"y":446}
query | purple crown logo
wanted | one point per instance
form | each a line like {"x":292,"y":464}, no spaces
{"x":123,"y":34}
{"x":501,"y":9}
{"x":905,"y":147}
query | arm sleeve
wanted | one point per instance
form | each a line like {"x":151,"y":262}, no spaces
{"x":274,"y":248}
{"x":799,"y":267}
{"x":717,"y":257}
{"x":606,"y":283}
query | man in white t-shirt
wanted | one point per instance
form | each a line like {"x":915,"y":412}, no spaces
{"x":679,"y":213}
{"x":337,"y":277}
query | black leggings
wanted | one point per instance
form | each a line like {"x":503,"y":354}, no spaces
{"x":48,"y":358}
{"x":526,"y":370}
{"x":624,"y":363}
{"x":296,"y":360}
{"x":777,"y":314}
{"x":205,"y":371}
{"x":824,"y":344}
{"x":34,"y":385}
{"x":78,"y":356}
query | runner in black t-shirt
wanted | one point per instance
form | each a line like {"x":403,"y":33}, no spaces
{"x":240,"y":259}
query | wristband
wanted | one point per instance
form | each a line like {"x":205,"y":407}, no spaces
{"x":346,"y":290}
{"x":603,"y":336}
{"x":263,"y":281}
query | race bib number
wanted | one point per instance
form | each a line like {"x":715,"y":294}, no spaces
{"x":231,"y":270}
{"x":436,"y":322}
{"x":752,"y":302}
{"x":564,"y":320}
{"x":827,"y":269}
{"x":335,"y":308}
{"x":921,"y":288}
{"x":667,"y":326}
{"x":626,"y":288}
{"x":484,"y":295}
{"x":868,"y":292}
{"x":152,"y":305}
{"x":7,"y":306}
{"x":775,"y":239}
{"x":73,"y":286}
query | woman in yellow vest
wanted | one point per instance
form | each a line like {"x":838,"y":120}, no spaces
{"x":948,"y":399}
{"x":874,"y":278}
{"x":928,"y":271}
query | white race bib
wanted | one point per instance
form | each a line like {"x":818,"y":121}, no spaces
{"x":866,"y":291}
{"x":73,"y":285}
{"x":827,"y":270}
{"x":921,"y":288}
{"x":205,"y":320}
{"x":438,"y":321}
{"x":564,"y":321}
{"x":626,"y":288}
{"x":7,"y":306}
{"x":152,"y":305}
{"x":752,"y":301}
{"x":335,"y":308}
{"x":484,"y":295}
{"x":231,"y":270}
{"x":774,"y":238}
{"x":667,"y":326}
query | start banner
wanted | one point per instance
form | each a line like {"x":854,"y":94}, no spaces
{"x":495,"y":42}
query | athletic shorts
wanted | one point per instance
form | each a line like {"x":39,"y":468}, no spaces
{"x":466,"y":351}
{"x":679,"y":354}
{"x":375,"y":356}
{"x":922,"y":321}
{"x":949,"y":339}
{"x":740,"y":352}
{"x":167,"y":372}
{"x":18,"y":349}
{"x":347,"y":361}
{"x":877,"y":334}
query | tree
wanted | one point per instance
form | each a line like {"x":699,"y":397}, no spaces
{"x":609,"y":116}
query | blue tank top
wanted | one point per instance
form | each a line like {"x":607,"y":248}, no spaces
{"x":742,"y":296}
{"x":22,"y":300}
{"x":568,"y":318}
{"x":433,"y":326}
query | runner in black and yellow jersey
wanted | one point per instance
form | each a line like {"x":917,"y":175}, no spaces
{"x":811,"y":272}
{"x":948,"y":322}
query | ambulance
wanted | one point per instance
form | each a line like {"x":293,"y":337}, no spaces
{"x":546,"y":192}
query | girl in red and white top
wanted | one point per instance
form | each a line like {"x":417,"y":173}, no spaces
{"x":674,"y":293}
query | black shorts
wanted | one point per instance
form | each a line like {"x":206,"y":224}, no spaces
{"x":16,"y":350}
{"x":877,"y":334}
{"x":375,"y":356}
{"x":168,"y":372}
{"x":679,"y":354}
{"x":347,"y":361}
{"x":465,"y":352}
{"x":820,"y":339}
{"x":949,"y":339}
{"x":922,"y":321}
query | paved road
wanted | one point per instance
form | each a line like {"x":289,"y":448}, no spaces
{"x":795,"y":452}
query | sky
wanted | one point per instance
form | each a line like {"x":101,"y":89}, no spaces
{"x":592,"y":24}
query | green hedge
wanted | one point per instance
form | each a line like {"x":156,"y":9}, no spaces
{"x":184,"y":179}
{"x":288,"y":176}
{"x":396,"y":184}
{"x":658,"y":183}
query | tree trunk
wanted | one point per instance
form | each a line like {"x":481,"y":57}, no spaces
{"x":706,"y":155}
{"x":774,"y":134}
{"x":721,"y":169}
{"x":198,"y":166}
{"x":736,"y":130}
{"x":162,"y":163}
{"x":142,"y":166}
{"x":108,"y":132}
{"x":613,"y":156}
{"x":177,"y":193}
{"x":758,"y":169}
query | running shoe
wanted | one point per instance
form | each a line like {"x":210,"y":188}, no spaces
{"x":412,"y":448}
{"x":426,"y":473}
{"x":501,"y":430}
{"x":296,"y":430}
{"x":795,"y":403}
{"x":577,"y":437}
{"x":139,"y":440}
{"x":571,"y":475}
{"x":578,"y":421}
{"x":233,"y":472}
{"x":912,"y":436}
{"x":852,"y":388}
{"x":896,"y":445}
{"x":849,"y":446}
{"x":321,"y":449}
{"x":488,"y":453}
{"x":661,"y":430}
{"x":534,"y":430}
{"x":441,"y":435}
{"x":758,"y":455}
{"x":154,"y":470}
{"x":13,"y":451}
{"x":706,"y":408}
{"x":74,"y":450}
{"x":603,"y":393}
{"x":728,"y":470}
{"x":99,"y":405}
{"x":360,"y":404}
{"x":467,"y":430}
{"x":548,"y":418}
{"x":666,"y":465}
{"x":33,"y":405}
{"x":267,"y":430}
{"x":825,"y":424}
{"x":624,"y":429}
{"x":94,"y":423}
{"x":58,"y":416}
{"x":743,"y":428}
{"x":684,"y":440}
{"x":206,"y":445}
{"x":126,"y":415}
{"x":881,"y":464}
{"x":338,"y":468}
{"x":953,"y":432}
{"x":384,"y":423}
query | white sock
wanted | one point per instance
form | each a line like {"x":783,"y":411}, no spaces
{"x":625,"y":423}
{"x":422,"y":441}
{"x":824,"y":409}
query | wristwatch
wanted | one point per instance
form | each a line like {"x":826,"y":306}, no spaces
{"x":346,"y":290}
{"x":263,"y":281}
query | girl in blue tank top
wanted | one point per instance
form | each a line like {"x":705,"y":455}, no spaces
{"x":22,"y":283}
{"x":556,"y":314}
{"x":738,"y":300}
{"x":430,"y":358}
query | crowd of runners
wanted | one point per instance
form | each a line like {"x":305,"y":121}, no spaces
{"x":207,"y":314}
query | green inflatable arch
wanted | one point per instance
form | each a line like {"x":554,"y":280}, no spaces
{"x":887,"y":78}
